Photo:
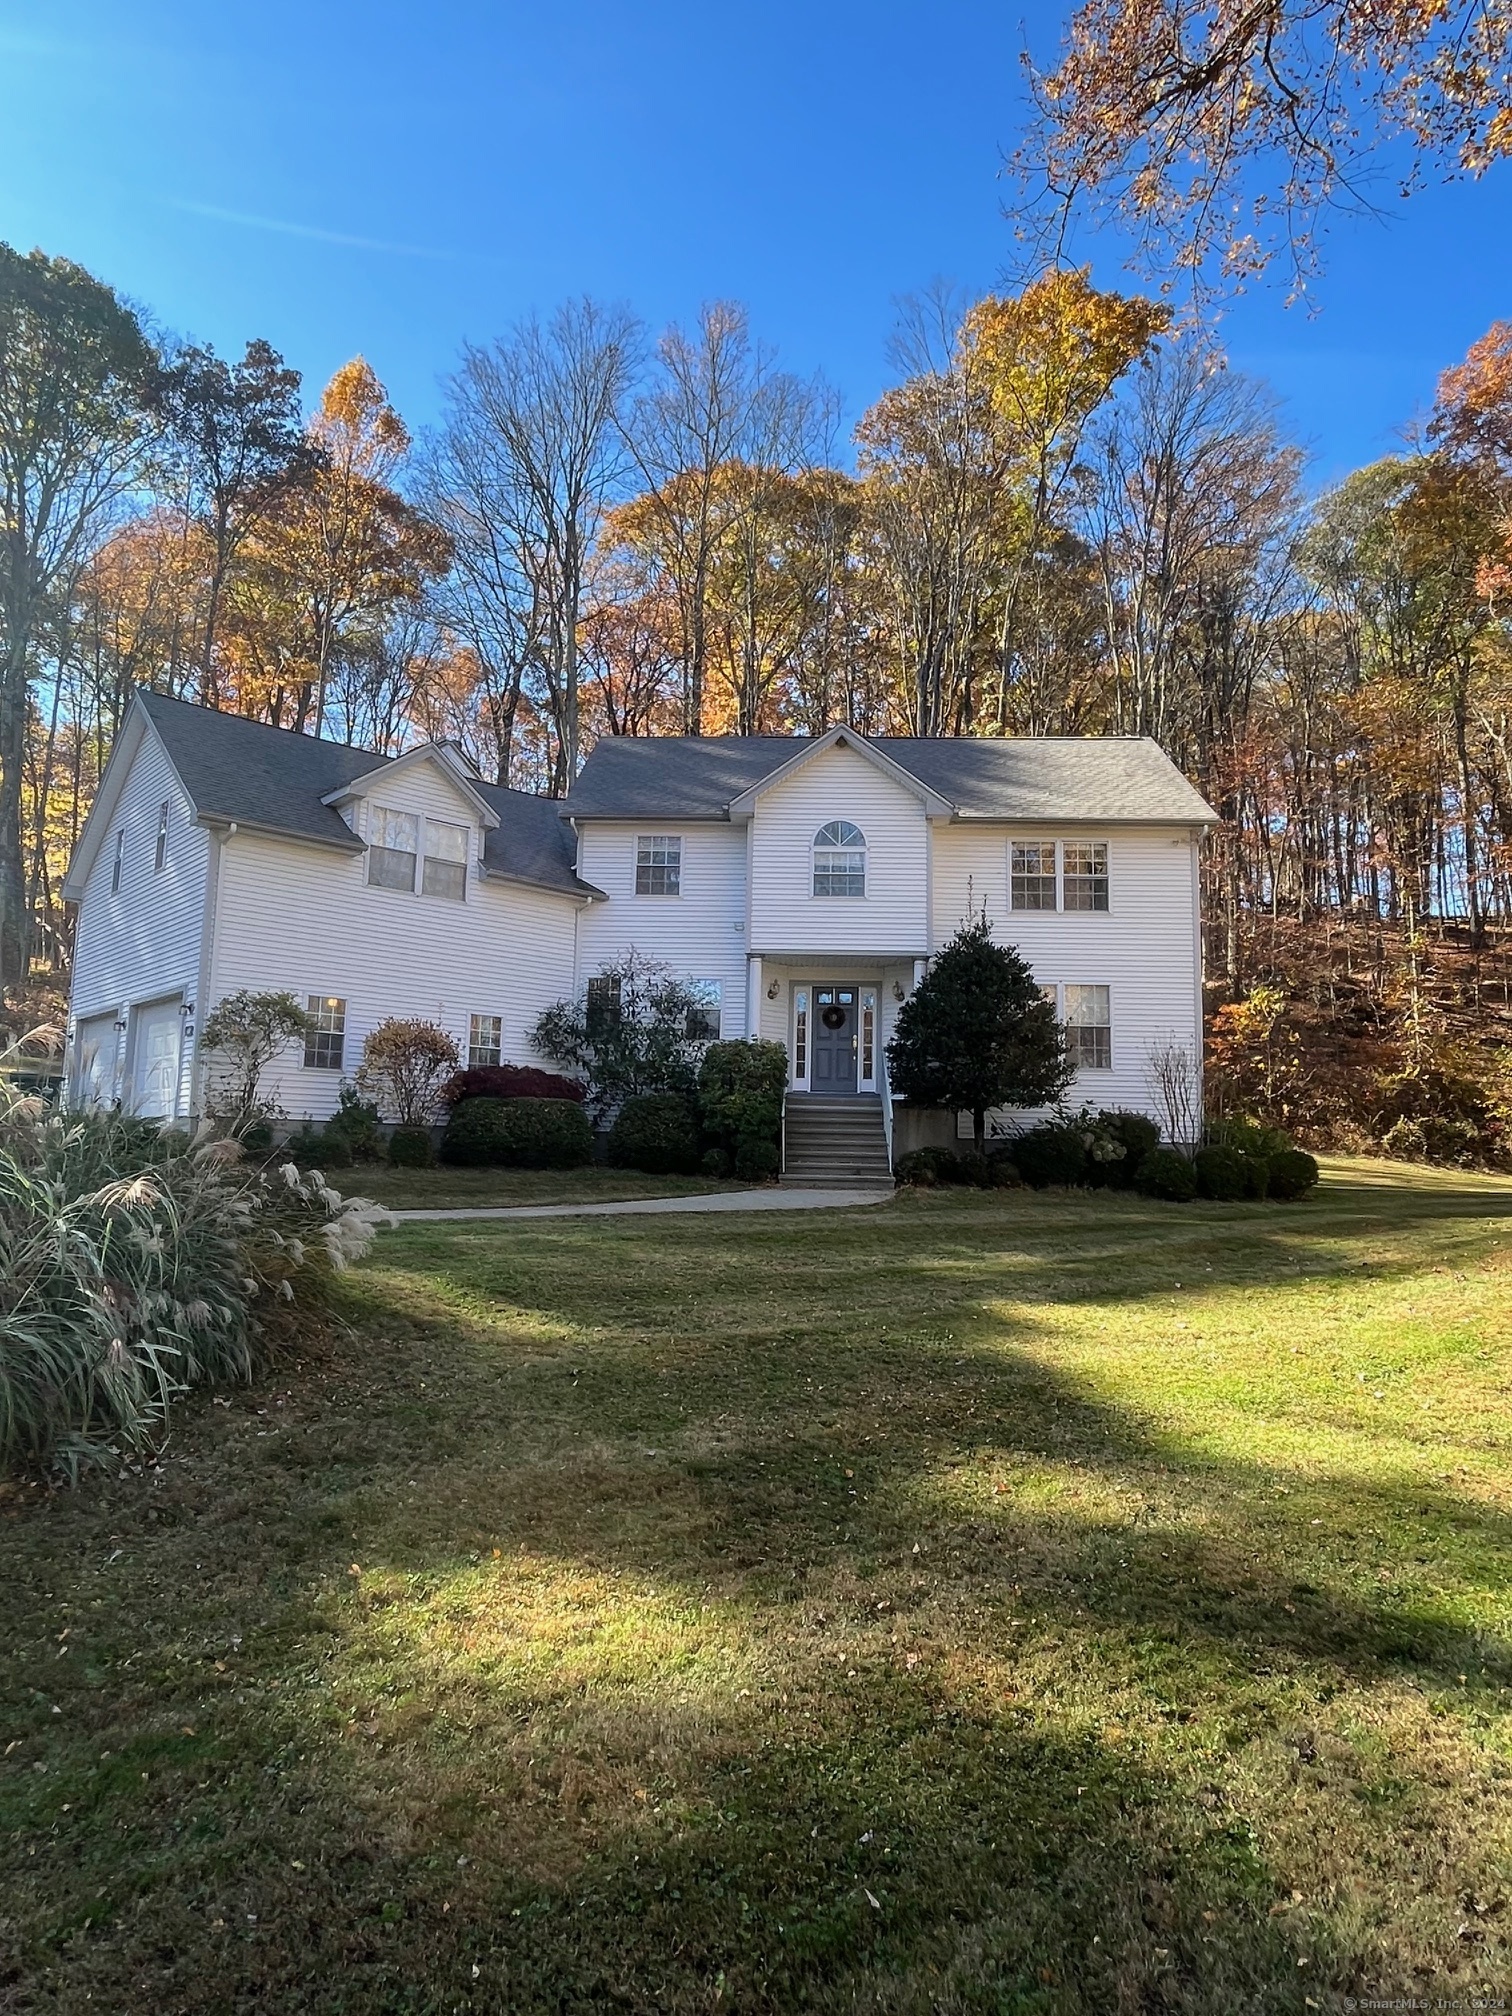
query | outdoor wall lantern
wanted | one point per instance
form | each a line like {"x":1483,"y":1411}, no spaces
{"x":120,"y":1022}
{"x":900,"y":993}
{"x":774,"y":990}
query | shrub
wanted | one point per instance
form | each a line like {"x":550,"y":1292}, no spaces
{"x":1167,"y":1173}
{"x":410,"y":1148}
{"x":357,"y":1120}
{"x":134,"y":1266}
{"x":1221,"y":1174}
{"x":657,"y":1133}
{"x":756,"y":1161}
{"x":741,"y":1087}
{"x":1248,"y":1137}
{"x":1053,"y":1153}
{"x":636,"y":1029}
{"x":510,"y":1081}
{"x":331,"y":1150}
{"x":1118,"y":1142}
{"x":404,"y":1065}
{"x":241,"y":1036}
{"x":929,"y":1168}
{"x":1256,"y":1177}
{"x":518,"y":1134}
{"x":1293,"y":1173}
{"x":925,"y":1168}
{"x":716,"y":1162}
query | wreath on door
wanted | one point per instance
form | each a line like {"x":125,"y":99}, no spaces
{"x":833,"y":1017}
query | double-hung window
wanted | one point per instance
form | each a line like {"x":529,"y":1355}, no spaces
{"x":703,"y":1013}
{"x":603,"y":1007}
{"x":160,"y":852}
{"x":325,"y":1032}
{"x":485,"y":1041}
{"x":393,"y":843}
{"x":658,"y":864}
{"x":1089,"y":1027}
{"x":839,"y":860}
{"x":1032,"y":877}
{"x":445,"y":860}
{"x":1084,"y":875}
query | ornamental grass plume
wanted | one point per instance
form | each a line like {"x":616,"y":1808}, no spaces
{"x":137,"y":1264}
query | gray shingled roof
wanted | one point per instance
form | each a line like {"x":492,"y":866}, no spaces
{"x":1093,"y":778}
{"x":275,"y":780}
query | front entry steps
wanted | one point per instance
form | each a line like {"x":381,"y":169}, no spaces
{"x":835,"y":1143}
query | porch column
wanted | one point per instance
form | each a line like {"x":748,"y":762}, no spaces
{"x":753,"y":995}
{"x":919,"y":967}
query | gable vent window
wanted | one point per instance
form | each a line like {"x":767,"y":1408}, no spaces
{"x":394,"y":841}
{"x":839,"y":860}
{"x":325,"y":1032}
{"x":160,"y":852}
{"x":1033,"y":875}
{"x":118,"y":862}
{"x":1084,"y":880}
{"x":658,"y":865}
{"x":485,"y":1041}
{"x":445,"y":860}
{"x":1089,"y":1028}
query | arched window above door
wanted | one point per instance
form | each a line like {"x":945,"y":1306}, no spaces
{"x":839,"y":860}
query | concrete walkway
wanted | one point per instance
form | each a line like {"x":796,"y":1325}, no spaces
{"x":714,"y":1200}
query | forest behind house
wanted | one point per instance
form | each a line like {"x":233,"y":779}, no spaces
{"x":1066,"y":516}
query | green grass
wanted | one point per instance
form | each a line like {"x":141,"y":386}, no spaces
{"x":445,"y":1189}
{"x":1009,"y":1603}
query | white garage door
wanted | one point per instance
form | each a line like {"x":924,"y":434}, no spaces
{"x":156,"y":1053}
{"x":94,"y":1083}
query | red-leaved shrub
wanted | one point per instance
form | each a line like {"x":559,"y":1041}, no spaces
{"x":511,"y":1081}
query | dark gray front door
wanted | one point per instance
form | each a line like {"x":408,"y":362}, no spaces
{"x":836,"y":1027}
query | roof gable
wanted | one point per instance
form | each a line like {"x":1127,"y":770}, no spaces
{"x":811,"y":751}
{"x":237,"y":772}
{"x":439,"y":756}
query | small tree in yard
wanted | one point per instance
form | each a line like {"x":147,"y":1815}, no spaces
{"x":241,"y":1037}
{"x":636,"y":1029}
{"x":977,"y":1033}
{"x":404,"y":1066}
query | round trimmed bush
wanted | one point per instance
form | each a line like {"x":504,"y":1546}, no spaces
{"x":1050,"y":1155}
{"x":475,"y":1135}
{"x":1135,"y":1133}
{"x":655,"y":1132}
{"x":756,"y":1160}
{"x":1168,"y":1174}
{"x":1221,"y":1174}
{"x":1256,"y":1177}
{"x":410,"y":1148}
{"x":1293,"y":1172}
{"x":919,"y":1169}
{"x":716,"y":1162}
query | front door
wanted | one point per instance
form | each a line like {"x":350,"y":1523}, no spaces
{"x":834,"y":1041}
{"x":156,"y":1060}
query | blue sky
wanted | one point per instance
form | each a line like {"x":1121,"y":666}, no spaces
{"x":392,"y":177}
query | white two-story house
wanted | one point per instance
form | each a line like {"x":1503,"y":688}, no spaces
{"x":802,"y":884}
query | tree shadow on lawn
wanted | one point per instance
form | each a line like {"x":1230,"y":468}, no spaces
{"x":788,"y":1662}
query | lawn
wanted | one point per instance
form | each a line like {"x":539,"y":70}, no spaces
{"x":445,"y":1189}
{"x":998,"y":1603}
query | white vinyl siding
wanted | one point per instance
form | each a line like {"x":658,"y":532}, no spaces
{"x":137,"y":943}
{"x":700,"y":936}
{"x":786,"y":915}
{"x":1143,"y":949}
{"x":305,"y":918}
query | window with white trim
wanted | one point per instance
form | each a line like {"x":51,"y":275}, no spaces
{"x":839,"y":860}
{"x":119,"y":861}
{"x":393,"y":844}
{"x":325,"y":1032}
{"x":704,"y":1014}
{"x":160,"y":852}
{"x":1084,"y":875}
{"x":1089,"y":1027}
{"x":445,"y":871}
{"x":602,"y":1010}
{"x":1031,"y":880}
{"x":485,"y":1041}
{"x":658,"y":864}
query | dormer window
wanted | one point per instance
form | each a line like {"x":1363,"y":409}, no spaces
{"x":393,"y":844}
{"x":839,"y":860}
{"x":445,"y":860}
